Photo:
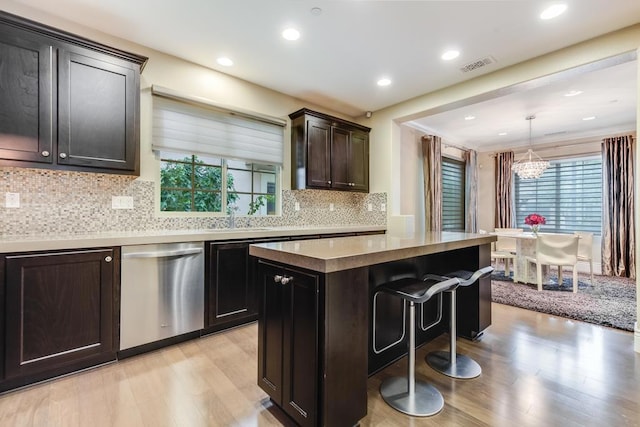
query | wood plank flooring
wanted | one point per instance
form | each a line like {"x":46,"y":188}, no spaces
{"x":538,"y":370}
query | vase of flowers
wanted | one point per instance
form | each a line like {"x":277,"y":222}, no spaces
{"x":534,"y":221}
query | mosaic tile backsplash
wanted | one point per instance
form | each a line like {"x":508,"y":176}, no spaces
{"x":78,"y":203}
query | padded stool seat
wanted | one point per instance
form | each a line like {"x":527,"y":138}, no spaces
{"x":450,"y":363}
{"x":406,"y":394}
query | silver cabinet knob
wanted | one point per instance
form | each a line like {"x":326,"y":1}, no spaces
{"x":108,"y":259}
{"x":45,"y":153}
{"x":63,"y":155}
{"x":277,"y":278}
{"x":286,"y":280}
{"x":329,"y":182}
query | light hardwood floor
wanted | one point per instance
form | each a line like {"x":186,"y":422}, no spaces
{"x":538,"y":370}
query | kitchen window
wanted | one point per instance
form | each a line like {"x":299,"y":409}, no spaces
{"x":568,"y":195}
{"x":191,"y":183}
{"x":213,"y":159}
{"x":453,"y":195}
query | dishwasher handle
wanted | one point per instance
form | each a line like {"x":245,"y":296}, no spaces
{"x":163,"y":254}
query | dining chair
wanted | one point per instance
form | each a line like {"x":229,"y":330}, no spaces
{"x":555,"y":249}
{"x":505,"y":249}
{"x":585,"y":249}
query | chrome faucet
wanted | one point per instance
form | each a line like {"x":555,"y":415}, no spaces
{"x":231,"y":210}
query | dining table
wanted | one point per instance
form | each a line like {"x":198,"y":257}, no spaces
{"x":525,"y":247}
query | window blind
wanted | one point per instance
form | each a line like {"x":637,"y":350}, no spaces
{"x":453,"y":176}
{"x":195,"y":126}
{"x":568,"y":195}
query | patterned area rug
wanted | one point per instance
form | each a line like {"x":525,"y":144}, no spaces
{"x":610,"y":301}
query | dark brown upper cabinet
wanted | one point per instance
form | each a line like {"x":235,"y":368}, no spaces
{"x":328,"y":153}
{"x":67,"y":102}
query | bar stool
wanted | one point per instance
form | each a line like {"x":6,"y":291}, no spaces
{"x":406,"y":394}
{"x":451,"y":363}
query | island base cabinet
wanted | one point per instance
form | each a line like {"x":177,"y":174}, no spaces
{"x":312,"y":343}
{"x":59,"y":313}
{"x":288,"y":341}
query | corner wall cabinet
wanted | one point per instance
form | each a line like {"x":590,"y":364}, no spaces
{"x":59,"y":313}
{"x":67,"y":102}
{"x":328,"y":153}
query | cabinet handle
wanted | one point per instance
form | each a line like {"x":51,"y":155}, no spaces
{"x":63,"y":155}
{"x":277,"y":278}
{"x":45,"y":154}
{"x":286,"y":280}
{"x":108,"y":259}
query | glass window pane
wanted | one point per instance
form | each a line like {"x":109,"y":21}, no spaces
{"x":208,"y":177}
{"x":263,"y":182}
{"x":175,"y":175}
{"x":175,"y":200}
{"x":207,"y":202}
{"x":213,"y":161}
{"x":239,"y":180}
{"x":241,"y":201}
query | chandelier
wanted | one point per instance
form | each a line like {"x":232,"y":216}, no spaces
{"x":530,"y":166}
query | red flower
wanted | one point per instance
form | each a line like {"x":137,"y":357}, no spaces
{"x":535,"y":219}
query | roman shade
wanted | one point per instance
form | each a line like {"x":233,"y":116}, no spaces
{"x":186,"y":124}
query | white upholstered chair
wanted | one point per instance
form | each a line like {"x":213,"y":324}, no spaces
{"x":585,"y":249}
{"x":505,"y":249}
{"x":555,"y":249}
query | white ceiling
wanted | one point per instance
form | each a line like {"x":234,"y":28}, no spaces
{"x":345,"y":49}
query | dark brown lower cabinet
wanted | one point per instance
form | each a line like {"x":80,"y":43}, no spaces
{"x":312,"y":343}
{"x":288,"y":341}
{"x":60,"y":312}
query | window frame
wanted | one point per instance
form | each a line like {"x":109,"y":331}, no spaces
{"x":223,"y":191}
{"x":580,"y":204}
{"x":461,"y":164}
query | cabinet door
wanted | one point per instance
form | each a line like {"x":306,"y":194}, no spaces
{"x":300,"y":346}
{"x":97,"y":111}
{"x":340,"y":141}
{"x":231,"y":293}
{"x":59,"y":311}
{"x":318,"y":154}
{"x":270,"y":331}
{"x":359,"y":161}
{"x":27,"y":102}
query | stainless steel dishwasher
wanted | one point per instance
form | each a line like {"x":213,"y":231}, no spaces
{"x":162,"y":292}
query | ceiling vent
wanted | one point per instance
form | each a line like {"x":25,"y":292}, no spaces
{"x":472,"y":66}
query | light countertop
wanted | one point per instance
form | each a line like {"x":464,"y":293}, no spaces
{"x":343,"y":253}
{"x":77,"y":241}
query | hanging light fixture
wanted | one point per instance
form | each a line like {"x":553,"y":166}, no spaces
{"x":530,"y":166}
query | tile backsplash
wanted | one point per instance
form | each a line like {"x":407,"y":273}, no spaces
{"x":77,"y":203}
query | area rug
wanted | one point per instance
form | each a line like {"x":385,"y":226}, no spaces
{"x":610,"y":301}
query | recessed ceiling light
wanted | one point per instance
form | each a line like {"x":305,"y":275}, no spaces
{"x":316,"y":11}
{"x":553,"y":11}
{"x":502,"y":134}
{"x":384,"y":82}
{"x":291,"y":34}
{"x":450,"y":54}
{"x":588,"y":118}
{"x":573,"y":93}
{"x":469,"y":117}
{"x":224,"y":61}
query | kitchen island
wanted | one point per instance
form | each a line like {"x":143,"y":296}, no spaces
{"x":316,"y":341}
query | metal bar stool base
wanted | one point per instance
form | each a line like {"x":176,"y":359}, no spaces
{"x":424,"y":402}
{"x":464,"y":368}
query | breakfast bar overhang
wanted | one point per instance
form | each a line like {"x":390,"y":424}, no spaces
{"x":316,"y":346}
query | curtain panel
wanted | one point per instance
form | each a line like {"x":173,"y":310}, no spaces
{"x":504,"y":190}
{"x":432,"y":171}
{"x":618,"y":224}
{"x":471,"y":191}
